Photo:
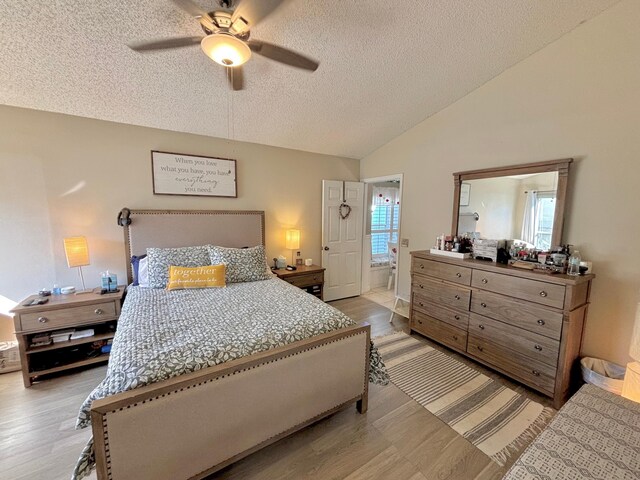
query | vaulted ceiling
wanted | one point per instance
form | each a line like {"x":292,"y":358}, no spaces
{"x":384,"y":66}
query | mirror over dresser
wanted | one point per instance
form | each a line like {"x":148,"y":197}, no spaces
{"x":525,"y":324}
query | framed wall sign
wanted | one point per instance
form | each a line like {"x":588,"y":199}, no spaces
{"x":180,"y":174}
{"x":465,"y":193}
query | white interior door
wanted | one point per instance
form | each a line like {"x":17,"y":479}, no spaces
{"x":342,"y":238}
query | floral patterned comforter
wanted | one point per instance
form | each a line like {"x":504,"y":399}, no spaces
{"x":163,"y":334}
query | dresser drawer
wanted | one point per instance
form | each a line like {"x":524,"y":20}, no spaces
{"x":537,"y":347}
{"x":533,"y":290}
{"x":306,"y":280}
{"x":452,"y":317}
{"x":441,"y":293}
{"x":439,"y":331}
{"x":535,"y":374}
{"x":62,"y":317}
{"x":526,"y":315}
{"x":444,"y":271}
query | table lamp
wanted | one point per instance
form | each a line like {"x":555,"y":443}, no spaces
{"x":77,"y":252}
{"x":631,"y":385}
{"x":292,"y":242}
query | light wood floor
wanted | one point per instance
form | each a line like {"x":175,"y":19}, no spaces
{"x":396,"y":439}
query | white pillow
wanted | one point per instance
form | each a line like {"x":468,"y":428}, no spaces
{"x":143,"y":273}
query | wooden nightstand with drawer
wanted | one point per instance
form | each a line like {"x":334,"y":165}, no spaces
{"x":310,"y":279}
{"x":60,"y":313}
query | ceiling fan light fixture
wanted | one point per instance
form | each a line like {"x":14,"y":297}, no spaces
{"x":225,"y":49}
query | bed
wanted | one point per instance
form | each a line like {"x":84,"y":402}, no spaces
{"x":595,"y":435}
{"x":198,"y":379}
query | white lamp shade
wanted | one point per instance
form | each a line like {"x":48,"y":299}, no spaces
{"x":77,"y":251}
{"x":634,"y":348}
{"x":225,"y":49}
{"x":292,"y":239}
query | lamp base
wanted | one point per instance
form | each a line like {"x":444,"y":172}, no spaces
{"x":631,"y":385}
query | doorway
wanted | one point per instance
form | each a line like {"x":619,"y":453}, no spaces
{"x":381,"y":240}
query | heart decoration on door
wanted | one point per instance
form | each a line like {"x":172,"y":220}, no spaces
{"x":344,"y":210}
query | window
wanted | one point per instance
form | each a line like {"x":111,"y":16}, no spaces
{"x":545,"y":212}
{"x":384,"y":222}
{"x":537,"y":224}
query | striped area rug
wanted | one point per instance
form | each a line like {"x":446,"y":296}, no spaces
{"x":497,"y":420}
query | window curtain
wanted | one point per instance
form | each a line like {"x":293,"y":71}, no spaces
{"x":386,"y":195}
{"x":530,"y":221}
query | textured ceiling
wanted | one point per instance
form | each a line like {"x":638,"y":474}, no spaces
{"x":385,"y":66}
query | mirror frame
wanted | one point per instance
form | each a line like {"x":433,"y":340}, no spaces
{"x":561,"y":166}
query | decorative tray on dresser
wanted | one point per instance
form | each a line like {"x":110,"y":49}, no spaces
{"x":524,"y":324}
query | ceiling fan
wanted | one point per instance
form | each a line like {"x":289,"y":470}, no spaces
{"x":226,"y":40}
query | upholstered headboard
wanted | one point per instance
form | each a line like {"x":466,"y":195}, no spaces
{"x":183,"y":228}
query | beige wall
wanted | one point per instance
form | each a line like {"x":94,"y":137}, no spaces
{"x":494,"y":200}
{"x":62,"y":176}
{"x":578,"y":97}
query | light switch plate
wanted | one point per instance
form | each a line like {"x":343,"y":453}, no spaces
{"x":404,"y":242}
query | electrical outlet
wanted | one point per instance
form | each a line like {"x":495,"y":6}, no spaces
{"x":404,"y":242}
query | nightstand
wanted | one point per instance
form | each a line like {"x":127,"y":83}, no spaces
{"x":310,"y":279}
{"x":65,"y":312}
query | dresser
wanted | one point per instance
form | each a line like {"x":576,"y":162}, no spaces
{"x":524,"y":324}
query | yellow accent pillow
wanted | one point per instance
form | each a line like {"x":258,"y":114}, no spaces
{"x":196,"y":277}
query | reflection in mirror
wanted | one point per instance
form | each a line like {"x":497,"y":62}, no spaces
{"x":518,"y":202}
{"x":514,"y":207}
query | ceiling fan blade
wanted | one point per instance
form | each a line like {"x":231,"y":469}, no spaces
{"x":195,"y":11}
{"x":282,"y":55}
{"x":252,"y":12}
{"x":165,"y":44}
{"x":235,"y":77}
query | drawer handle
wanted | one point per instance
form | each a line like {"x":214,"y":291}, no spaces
{"x":481,"y":327}
{"x":420,"y":322}
{"x":43,"y":319}
{"x":421,"y":304}
{"x":541,"y":322}
{"x":421,"y":286}
{"x":459,"y":275}
{"x":543,"y":293}
{"x":421,"y":267}
{"x":538,"y":347}
{"x":457,"y":297}
{"x":480,"y":348}
{"x":483,"y":305}
{"x":536,"y":373}
{"x":457,"y":317}
{"x":484,"y":280}
{"x":98,"y":311}
{"x":455,"y":337}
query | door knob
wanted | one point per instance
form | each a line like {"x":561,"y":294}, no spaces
{"x":326,"y":248}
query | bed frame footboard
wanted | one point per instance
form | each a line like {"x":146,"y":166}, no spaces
{"x":193,"y":425}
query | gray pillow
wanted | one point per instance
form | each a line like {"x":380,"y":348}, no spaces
{"x":160,"y":259}
{"x":242,"y":264}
